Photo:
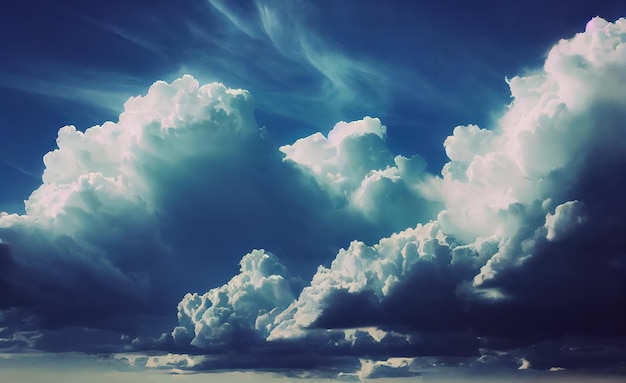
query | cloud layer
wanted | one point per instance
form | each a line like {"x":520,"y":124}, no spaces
{"x":511,"y":257}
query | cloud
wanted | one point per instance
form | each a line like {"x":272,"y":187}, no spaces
{"x":354,"y":165}
{"x":528,"y":210}
{"x":380,"y":270}
{"x":242,"y":307}
{"x":132,"y":214}
{"x":517,"y":245}
{"x":391,"y":368}
{"x":174,"y":361}
{"x":344,"y":75}
{"x":75,"y":84}
{"x":91,"y":234}
{"x":565,"y":218}
{"x":241,"y":15}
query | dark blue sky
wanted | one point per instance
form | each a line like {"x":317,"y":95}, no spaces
{"x":347,"y":189}
{"x":437,"y":65}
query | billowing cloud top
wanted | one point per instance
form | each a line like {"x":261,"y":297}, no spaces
{"x":132,"y":214}
{"x":248,"y":302}
{"x":511,"y":258}
{"x":96,"y":224}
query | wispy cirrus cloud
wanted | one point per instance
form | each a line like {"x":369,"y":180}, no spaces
{"x":344,"y":81}
{"x":96,"y":88}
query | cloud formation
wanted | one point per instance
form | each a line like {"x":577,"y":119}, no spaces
{"x":245,"y":305}
{"x":530,"y":208}
{"x":512,"y":254}
{"x":132,"y":214}
{"x":354,"y":166}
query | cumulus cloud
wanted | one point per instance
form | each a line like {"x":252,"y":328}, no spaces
{"x":246,"y":305}
{"x":500,"y":262}
{"x":566,"y":217}
{"x":354,"y":165}
{"x":91,"y":234}
{"x":376,"y":270}
{"x":132,"y":214}
{"x":516,"y":245}
{"x":554,"y":148}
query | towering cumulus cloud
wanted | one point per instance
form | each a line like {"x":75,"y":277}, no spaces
{"x":525,"y":250}
{"x":132,"y":214}
{"x":92,"y":244}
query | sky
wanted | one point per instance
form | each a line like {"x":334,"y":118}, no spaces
{"x":318,"y":190}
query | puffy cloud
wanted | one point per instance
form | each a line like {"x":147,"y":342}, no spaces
{"x":515,"y":246}
{"x":376,"y":270}
{"x":132,"y":214}
{"x":499,"y":267}
{"x":245,"y":305}
{"x":558,"y":120}
{"x":467,"y":142}
{"x":91,"y":240}
{"x":257,"y":311}
{"x":543,"y":152}
{"x":549,"y":169}
{"x":340,"y":162}
{"x":180,"y":361}
{"x":354,"y":165}
{"x":565,"y":218}
{"x":392,"y":367}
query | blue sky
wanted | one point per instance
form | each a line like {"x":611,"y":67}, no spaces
{"x":422,"y":68}
{"x":325,"y":189}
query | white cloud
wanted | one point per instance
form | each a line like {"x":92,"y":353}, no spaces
{"x":247,"y":304}
{"x":498,"y":193}
{"x":181,"y":361}
{"x":539,"y":152}
{"x":123,"y":202}
{"x":392,"y":367}
{"x":566,"y":217}
{"x":466,"y":142}
{"x":498,"y":189}
{"x":377,"y":269}
{"x":525,"y":364}
{"x":124,"y":206}
{"x":130,"y":212}
{"x":340,"y":162}
{"x":354,"y":165}
{"x":155,"y":130}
